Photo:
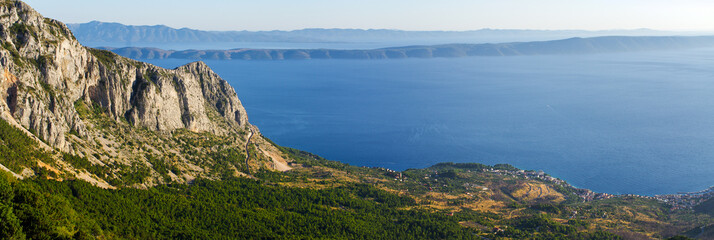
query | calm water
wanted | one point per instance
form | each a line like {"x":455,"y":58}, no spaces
{"x":619,"y":123}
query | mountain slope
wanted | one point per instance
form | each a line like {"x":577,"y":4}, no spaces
{"x":706,"y":207}
{"x":70,"y":96}
{"x":557,"y":47}
{"x":102,"y":32}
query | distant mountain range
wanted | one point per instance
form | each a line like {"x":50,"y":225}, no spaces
{"x":102,"y":32}
{"x":565,"y":46}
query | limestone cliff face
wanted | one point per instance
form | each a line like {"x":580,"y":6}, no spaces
{"x":46,"y":73}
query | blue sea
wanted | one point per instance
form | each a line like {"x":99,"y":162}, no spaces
{"x":640,"y":123}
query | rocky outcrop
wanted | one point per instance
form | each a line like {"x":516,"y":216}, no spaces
{"x":46,"y":73}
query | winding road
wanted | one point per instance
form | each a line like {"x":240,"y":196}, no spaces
{"x":247,"y":153}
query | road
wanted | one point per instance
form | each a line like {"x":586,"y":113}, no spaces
{"x":247,"y":153}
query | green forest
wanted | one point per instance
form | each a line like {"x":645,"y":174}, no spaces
{"x":233,"y":208}
{"x":236,"y":209}
{"x":39,"y":207}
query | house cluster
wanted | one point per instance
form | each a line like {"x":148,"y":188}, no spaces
{"x":588,"y":195}
{"x":676,"y":201}
{"x":391,"y":173}
{"x":474,"y":186}
{"x":585,"y":194}
{"x":686,"y":200}
{"x":527,"y":174}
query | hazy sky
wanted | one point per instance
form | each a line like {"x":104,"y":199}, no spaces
{"x":389,"y":14}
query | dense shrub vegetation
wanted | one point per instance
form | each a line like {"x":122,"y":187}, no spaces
{"x":236,"y":208}
{"x":241,"y":208}
{"x":17,"y":149}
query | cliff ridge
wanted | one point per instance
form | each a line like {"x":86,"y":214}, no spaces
{"x":68,"y":96}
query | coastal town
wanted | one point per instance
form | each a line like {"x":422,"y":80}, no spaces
{"x":585,"y":194}
{"x":678,"y":201}
{"x":683,"y":200}
{"x":686,"y":200}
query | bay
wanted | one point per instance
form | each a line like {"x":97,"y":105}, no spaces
{"x":640,"y":123}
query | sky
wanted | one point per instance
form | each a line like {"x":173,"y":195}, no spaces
{"x":674,"y":15}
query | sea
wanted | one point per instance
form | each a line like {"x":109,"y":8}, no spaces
{"x":624,"y":123}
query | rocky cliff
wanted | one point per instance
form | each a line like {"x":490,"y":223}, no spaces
{"x":50,"y":83}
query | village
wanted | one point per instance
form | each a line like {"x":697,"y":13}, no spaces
{"x":678,"y":201}
{"x":585,"y":194}
{"x":675,"y":201}
{"x":686,"y":200}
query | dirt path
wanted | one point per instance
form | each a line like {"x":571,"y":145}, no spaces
{"x":279,"y":163}
{"x":11,"y":172}
{"x":247,"y":153}
{"x":540,"y":191}
{"x":510,"y":214}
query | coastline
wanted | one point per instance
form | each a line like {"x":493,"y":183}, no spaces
{"x":677,"y":201}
